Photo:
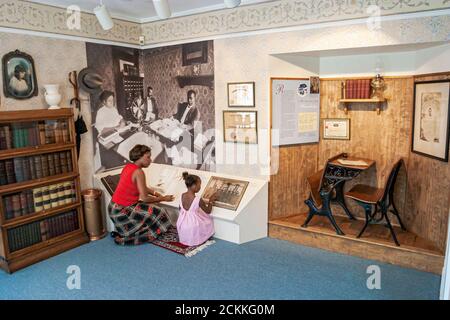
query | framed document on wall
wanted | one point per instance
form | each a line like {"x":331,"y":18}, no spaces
{"x":240,"y":127}
{"x":431,"y":122}
{"x":295,"y":111}
{"x":241,"y":94}
{"x":336,"y":129}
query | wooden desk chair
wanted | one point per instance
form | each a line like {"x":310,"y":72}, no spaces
{"x":319,"y":201}
{"x":375,"y":200}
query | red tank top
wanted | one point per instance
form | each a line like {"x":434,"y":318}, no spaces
{"x":126,"y":192}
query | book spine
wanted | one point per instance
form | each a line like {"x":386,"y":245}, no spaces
{"x":30,"y":201}
{"x":8,"y":137}
{"x":38,"y":201}
{"x":46,"y":201}
{"x":51,"y":165}
{"x":38,"y":166}
{"x":12,"y":240}
{"x":69,"y":161}
{"x":3,"y":145}
{"x":65,"y":131}
{"x":53,"y":195}
{"x":76,"y":224}
{"x":10,"y":174}
{"x":23,"y":204}
{"x":61,"y":194}
{"x":9,"y":212}
{"x":67,"y":192}
{"x":32,"y":168}
{"x":26,"y":169}
{"x":63,"y":161}
{"x":57,"y":163}
{"x":43,"y":230}
{"x":3,"y":177}
{"x":44,"y":163}
{"x":16,"y":205}
{"x":41,"y":128}
{"x":25,"y":135}
{"x":18,"y":169}
{"x":368,"y":88}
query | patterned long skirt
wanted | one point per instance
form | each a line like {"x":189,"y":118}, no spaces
{"x":138,"y":223}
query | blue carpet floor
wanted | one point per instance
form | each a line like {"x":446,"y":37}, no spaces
{"x":263,"y":269}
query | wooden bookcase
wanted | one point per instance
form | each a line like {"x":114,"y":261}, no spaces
{"x":50,"y":219}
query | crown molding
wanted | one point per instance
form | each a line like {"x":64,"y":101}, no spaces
{"x":247,"y":19}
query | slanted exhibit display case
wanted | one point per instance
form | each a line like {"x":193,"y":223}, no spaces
{"x":239,"y":224}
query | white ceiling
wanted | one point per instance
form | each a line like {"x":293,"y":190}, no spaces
{"x":143,"y":10}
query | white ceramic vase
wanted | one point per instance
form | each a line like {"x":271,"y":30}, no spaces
{"x":52,"y":96}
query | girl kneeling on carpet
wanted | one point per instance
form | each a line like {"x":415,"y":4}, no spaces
{"x":135,"y":218}
{"x":194,"y":224}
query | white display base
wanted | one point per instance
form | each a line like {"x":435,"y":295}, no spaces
{"x":247,"y":223}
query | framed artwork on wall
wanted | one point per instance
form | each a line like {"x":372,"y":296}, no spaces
{"x":240,"y":127}
{"x":19,"y":75}
{"x":431,"y":122}
{"x":241,"y":94}
{"x":194,"y":53}
{"x":229,"y":192}
{"x":336,"y":129}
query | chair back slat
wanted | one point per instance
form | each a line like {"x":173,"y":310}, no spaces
{"x":390,"y":183}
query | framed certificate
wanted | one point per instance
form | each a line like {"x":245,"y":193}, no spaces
{"x":336,"y":129}
{"x":241,"y":94}
{"x":240,"y":127}
{"x":431,"y":124}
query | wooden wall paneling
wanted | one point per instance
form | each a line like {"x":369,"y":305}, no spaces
{"x":288,"y":188}
{"x":428,"y":202}
{"x":383,"y":138}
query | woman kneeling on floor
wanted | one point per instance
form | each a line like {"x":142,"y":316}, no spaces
{"x":136,"y":220}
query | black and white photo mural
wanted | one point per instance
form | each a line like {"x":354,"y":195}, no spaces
{"x":161,"y":97}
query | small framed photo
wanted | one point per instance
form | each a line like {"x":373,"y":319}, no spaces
{"x":194,"y":53}
{"x":19,"y":75}
{"x":336,"y":129}
{"x":431,"y":122}
{"x":229,"y":192}
{"x":240,"y":127}
{"x":241,"y":94}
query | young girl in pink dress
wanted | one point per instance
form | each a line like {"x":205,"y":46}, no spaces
{"x":194,"y":224}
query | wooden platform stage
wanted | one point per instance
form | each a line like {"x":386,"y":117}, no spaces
{"x":375,"y":244}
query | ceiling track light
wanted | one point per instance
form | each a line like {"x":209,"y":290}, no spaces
{"x":232,"y":3}
{"x":162,"y":8}
{"x":103,"y":16}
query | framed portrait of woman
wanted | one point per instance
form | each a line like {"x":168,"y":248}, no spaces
{"x":19,"y":76}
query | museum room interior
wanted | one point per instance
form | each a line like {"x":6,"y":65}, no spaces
{"x":210,"y":142}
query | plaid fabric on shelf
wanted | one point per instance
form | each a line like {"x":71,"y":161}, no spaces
{"x":139,"y":223}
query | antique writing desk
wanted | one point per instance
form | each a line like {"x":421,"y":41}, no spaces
{"x":330,"y":187}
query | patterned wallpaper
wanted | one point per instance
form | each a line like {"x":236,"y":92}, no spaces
{"x":275,"y":14}
{"x":37,"y":17}
{"x":161,"y":66}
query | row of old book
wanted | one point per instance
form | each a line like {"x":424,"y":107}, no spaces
{"x":358,"y":89}
{"x":35,"y":167}
{"x":30,"y":234}
{"x":31,"y":134}
{"x":39,"y":199}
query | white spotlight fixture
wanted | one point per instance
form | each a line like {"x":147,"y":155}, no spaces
{"x":232,"y":3}
{"x":103,"y":17}
{"x":162,"y":8}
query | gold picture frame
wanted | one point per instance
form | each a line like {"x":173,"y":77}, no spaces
{"x":336,"y":129}
{"x":240,"y":127}
{"x":241,"y":94}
